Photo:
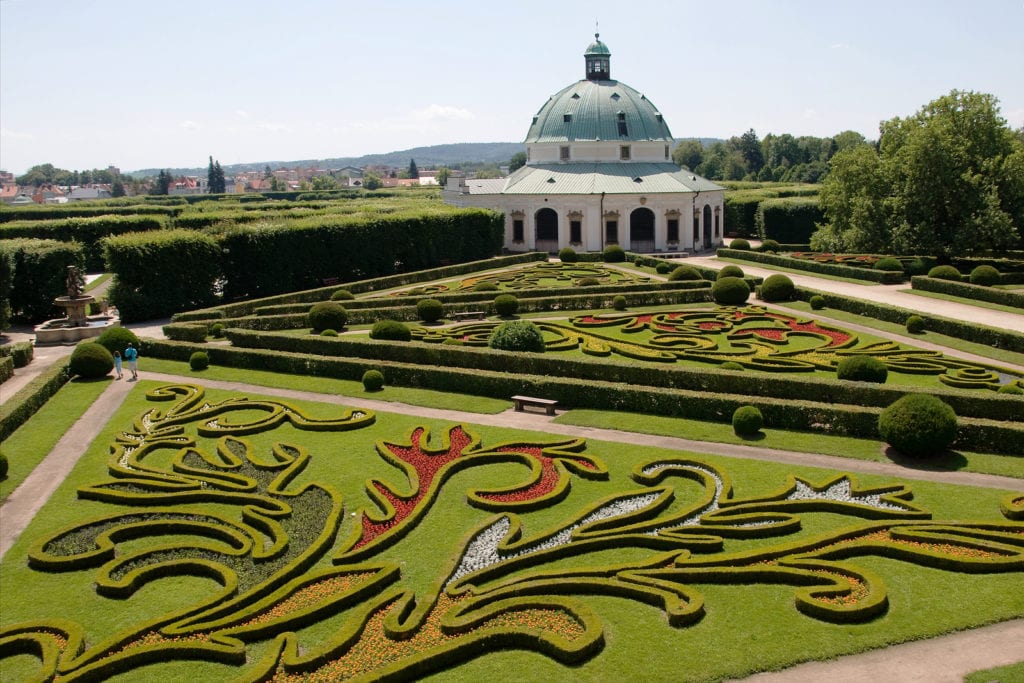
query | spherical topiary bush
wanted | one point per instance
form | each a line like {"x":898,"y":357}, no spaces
{"x":485,"y":287}
{"x":917,"y":266}
{"x":777,"y":287}
{"x":918,"y":425}
{"x":517,"y":335}
{"x":770,"y":245}
{"x":915,"y":324}
{"x":986,"y":276}
{"x":429,"y":310}
{"x":731,"y":365}
{"x":342,"y":295}
{"x":684,"y":273}
{"x":506,"y":305}
{"x":613,"y":253}
{"x":619,"y":302}
{"x":740,"y":244}
{"x":730,"y":271}
{"x":199,"y":361}
{"x":328,"y":333}
{"x":662,"y":268}
{"x":117,"y":339}
{"x":373,"y":380}
{"x":1012,"y":389}
{"x":945,"y":273}
{"x":730,"y":291}
{"x":817,"y":302}
{"x":217,"y":330}
{"x":327,"y":315}
{"x":747,"y":421}
{"x":889,"y":264}
{"x":862,"y":368}
{"x":90,"y":360}
{"x":391,"y":330}
{"x":568,"y":255}
{"x":587,"y":282}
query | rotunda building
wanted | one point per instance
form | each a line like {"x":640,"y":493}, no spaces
{"x":599,"y":171}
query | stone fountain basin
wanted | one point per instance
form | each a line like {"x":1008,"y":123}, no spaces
{"x":58,"y":331}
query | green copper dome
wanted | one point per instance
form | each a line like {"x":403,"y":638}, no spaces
{"x":597,"y":47}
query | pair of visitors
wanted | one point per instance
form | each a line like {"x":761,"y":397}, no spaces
{"x":131,"y":354}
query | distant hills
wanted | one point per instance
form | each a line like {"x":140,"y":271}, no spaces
{"x":451,"y":155}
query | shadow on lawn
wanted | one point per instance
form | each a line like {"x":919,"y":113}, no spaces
{"x":947,"y":461}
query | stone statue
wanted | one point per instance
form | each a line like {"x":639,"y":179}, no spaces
{"x":75,"y":282}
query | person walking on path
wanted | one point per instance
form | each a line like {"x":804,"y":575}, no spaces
{"x":131,"y":354}
{"x":117,"y":363}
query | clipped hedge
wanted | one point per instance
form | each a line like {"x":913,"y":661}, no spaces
{"x":20,"y":353}
{"x":17,"y":409}
{"x":882,"y":276}
{"x":39,"y":275}
{"x":788,"y":219}
{"x":160,"y":273}
{"x":6,"y":368}
{"x":6,"y":281}
{"x":1004,"y":297}
{"x":88,"y":232}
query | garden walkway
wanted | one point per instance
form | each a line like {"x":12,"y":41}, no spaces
{"x":947,"y":658}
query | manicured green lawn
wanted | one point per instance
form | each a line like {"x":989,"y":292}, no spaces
{"x":745,"y":626}
{"x":962,"y":300}
{"x":1012,"y":673}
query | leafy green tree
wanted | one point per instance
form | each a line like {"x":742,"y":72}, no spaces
{"x":488,"y":171}
{"x":372,"y":181}
{"x":688,"y":154}
{"x":750,"y":148}
{"x":323,"y":183}
{"x":117,"y":188}
{"x":517,"y":161}
{"x":413,"y":171}
{"x":442,"y":175}
{"x":162,"y":184}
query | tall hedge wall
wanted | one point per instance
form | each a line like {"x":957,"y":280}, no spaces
{"x":83,"y":210}
{"x":39,"y":275}
{"x":160,"y":273}
{"x":87,"y":231}
{"x":741,"y":210}
{"x":264,"y":260}
{"x":6,"y":282}
{"x":788,"y":219}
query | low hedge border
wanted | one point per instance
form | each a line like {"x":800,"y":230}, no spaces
{"x":880,"y":276}
{"x":966,"y":290}
{"x":661,"y":375}
{"x":17,"y":409}
{"x":801,"y":415}
{"x":19,"y":352}
{"x":972,"y":332}
{"x":6,"y":368}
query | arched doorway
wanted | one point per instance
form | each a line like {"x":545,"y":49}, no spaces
{"x":546,"y":221}
{"x":707,"y":226}
{"x":641,"y":231}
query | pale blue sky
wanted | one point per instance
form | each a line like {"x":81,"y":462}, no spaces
{"x":87,"y":83}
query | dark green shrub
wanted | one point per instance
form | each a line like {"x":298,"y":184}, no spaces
{"x":791,"y":220}
{"x":328,"y":333}
{"x":861,"y":368}
{"x":747,"y":421}
{"x":506,"y":305}
{"x":740,"y":244}
{"x":217,"y":330}
{"x":1013,"y":389}
{"x":613,"y":253}
{"x":684,"y":273}
{"x":373,"y":380}
{"x":662,"y":268}
{"x":3,"y":466}
{"x":485,"y":287}
{"x":770,"y":246}
{"x":38,"y":272}
{"x":342,"y":295}
{"x":429,"y":310}
{"x":327,"y":315}
{"x":588,"y":282}
{"x":777,"y":287}
{"x":730,"y":291}
{"x":915,"y":324}
{"x":918,"y":266}
{"x":199,"y":361}
{"x":568,"y":255}
{"x":730,"y":271}
{"x":986,"y":276}
{"x":817,"y":302}
{"x":391,"y":330}
{"x":731,"y":365}
{"x":945,"y":273}
{"x":889,"y":263}
{"x":619,"y":303}
{"x":918,"y":425}
{"x":517,"y":335}
{"x":90,"y":360}
{"x":117,"y":339}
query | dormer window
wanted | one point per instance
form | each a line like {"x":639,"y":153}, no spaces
{"x":623,"y":131}
{"x":566,"y":117}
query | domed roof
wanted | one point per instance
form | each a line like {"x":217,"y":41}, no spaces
{"x":597,"y":47}
{"x":598,"y":110}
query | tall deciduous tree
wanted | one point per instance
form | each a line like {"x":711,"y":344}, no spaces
{"x":517,"y":161}
{"x":949,"y":182}
{"x":688,"y":154}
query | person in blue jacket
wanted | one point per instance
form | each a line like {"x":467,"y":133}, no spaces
{"x":131,"y":355}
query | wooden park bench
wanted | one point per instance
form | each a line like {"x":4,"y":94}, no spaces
{"x":466,"y":315}
{"x":546,"y":403}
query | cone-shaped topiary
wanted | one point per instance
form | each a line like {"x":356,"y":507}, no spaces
{"x":684,"y":273}
{"x":517,"y":335}
{"x":777,"y":287}
{"x":327,"y":315}
{"x":730,"y":291}
{"x":730,"y":270}
{"x":918,"y":425}
{"x":373,"y":380}
{"x":861,"y":368}
{"x":392,"y":330}
{"x":429,"y":310}
{"x":199,"y":361}
{"x":506,"y":305}
{"x":90,"y":360}
{"x":117,"y":339}
{"x":986,"y":276}
{"x":747,"y":421}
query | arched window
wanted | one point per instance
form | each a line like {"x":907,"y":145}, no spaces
{"x":707,"y":226}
